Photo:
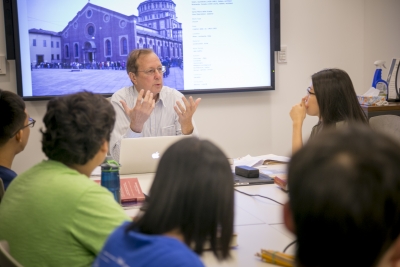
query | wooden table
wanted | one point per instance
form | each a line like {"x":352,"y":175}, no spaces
{"x":392,"y":109}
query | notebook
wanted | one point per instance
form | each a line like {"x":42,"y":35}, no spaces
{"x":141,"y":155}
{"x":262,"y":179}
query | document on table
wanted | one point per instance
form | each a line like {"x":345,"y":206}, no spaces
{"x":248,"y":161}
{"x":264,"y":163}
{"x":273,"y":170}
{"x":260,"y":160}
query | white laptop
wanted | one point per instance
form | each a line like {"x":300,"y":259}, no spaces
{"x":141,"y":155}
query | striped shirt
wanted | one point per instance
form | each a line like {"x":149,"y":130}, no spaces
{"x":163,"y":120}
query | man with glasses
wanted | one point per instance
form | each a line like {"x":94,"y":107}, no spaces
{"x":148,"y":108}
{"x":15,"y":125}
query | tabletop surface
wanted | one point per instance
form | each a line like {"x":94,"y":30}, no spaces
{"x":258,"y":222}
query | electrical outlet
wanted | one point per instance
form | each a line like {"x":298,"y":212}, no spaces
{"x":3,"y":69}
{"x":282,"y":55}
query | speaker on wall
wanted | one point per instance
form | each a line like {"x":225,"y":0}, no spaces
{"x":276,"y":24}
{"x":9,"y":28}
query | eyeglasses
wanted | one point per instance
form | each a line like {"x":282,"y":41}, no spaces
{"x":151,"y":72}
{"x":309,"y":91}
{"x":31,"y":123}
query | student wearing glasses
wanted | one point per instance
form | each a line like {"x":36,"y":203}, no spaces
{"x":332,"y":98}
{"x":53,"y":214}
{"x":15,"y":125}
{"x":148,"y":108}
{"x":190,"y":205}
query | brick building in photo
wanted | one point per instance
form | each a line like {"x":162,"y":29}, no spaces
{"x":100,"y":37}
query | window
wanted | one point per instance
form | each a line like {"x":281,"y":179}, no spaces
{"x":76,"y":50}
{"x":34,"y":42}
{"x":124,"y":46}
{"x":57,"y":44}
{"x":58,"y":56}
{"x":90,"y":30}
{"x":108,"y":48}
{"x":44,"y":43}
{"x":52,"y":44}
{"x":52,"y":56}
{"x":67,"y":51}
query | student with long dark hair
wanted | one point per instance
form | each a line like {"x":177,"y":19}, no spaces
{"x":332,"y":98}
{"x":190,"y":204}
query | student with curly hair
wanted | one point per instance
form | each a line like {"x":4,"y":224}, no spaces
{"x":53,"y":214}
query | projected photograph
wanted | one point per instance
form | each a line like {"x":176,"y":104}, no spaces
{"x":206,"y":46}
{"x":88,"y":50}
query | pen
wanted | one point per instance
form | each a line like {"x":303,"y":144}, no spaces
{"x":276,"y":257}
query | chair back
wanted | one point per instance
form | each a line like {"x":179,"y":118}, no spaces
{"x":2,"y":191}
{"x":387,"y":124}
{"x":6,"y":260}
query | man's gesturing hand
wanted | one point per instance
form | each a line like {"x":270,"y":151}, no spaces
{"x":185,"y":113}
{"x":140,"y":113}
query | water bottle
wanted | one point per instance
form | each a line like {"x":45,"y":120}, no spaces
{"x":110,"y":178}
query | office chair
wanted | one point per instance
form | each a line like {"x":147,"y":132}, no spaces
{"x":2,"y":191}
{"x":387,"y":124}
{"x":6,"y":260}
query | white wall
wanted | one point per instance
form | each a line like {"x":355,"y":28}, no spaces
{"x":382,"y":38}
{"x":319,"y":34}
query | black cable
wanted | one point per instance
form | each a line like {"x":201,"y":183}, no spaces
{"x":250,"y":195}
{"x":288,"y":246}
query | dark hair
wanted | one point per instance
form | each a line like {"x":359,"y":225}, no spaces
{"x":76,"y":127}
{"x":12,"y":118}
{"x":192,"y":192}
{"x":336,"y":97}
{"x":344,"y":197}
{"x":134,"y":55}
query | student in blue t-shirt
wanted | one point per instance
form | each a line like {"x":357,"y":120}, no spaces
{"x":14,"y":132}
{"x":190,"y":205}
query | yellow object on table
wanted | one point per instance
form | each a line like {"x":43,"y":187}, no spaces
{"x":276,"y":257}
